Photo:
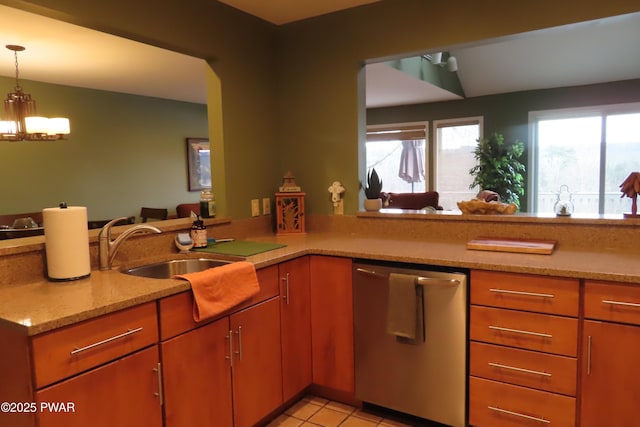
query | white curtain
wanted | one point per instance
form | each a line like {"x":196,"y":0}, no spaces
{"x":412,"y":161}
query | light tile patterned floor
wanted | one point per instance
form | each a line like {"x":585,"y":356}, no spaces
{"x":316,"y":411}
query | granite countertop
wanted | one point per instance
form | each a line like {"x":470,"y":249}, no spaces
{"x":42,"y":306}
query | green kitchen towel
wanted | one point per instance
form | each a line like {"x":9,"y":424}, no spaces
{"x":240,"y":247}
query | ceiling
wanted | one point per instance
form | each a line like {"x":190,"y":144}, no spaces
{"x":585,"y":53}
{"x":62,"y":53}
{"x":284,"y":11}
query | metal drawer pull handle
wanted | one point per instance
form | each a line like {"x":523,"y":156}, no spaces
{"x":513,"y":368}
{"x":528,"y":294}
{"x":435,"y":281}
{"x":230,"y":357}
{"x":626,"y":304}
{"x":370,"y":272}
{"x":419,"y":279}
{"x":516,"y":414}
{"x":239,"y":352}
{"x":286,"y":284}
{"x":159,"y":394}
{"x":77,"y":350}
{"x":518,"y":331}
{"x":589,"y":355}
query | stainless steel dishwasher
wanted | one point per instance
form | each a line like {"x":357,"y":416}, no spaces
{"x":425,"y":377}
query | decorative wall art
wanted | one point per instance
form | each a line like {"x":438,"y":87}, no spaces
{"x":198,"y":163}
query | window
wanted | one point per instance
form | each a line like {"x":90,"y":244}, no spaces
{"x":591,"y":151}
{"x":455,"y":142}
{"x":401,"y":153}
{"x":398,"y":155}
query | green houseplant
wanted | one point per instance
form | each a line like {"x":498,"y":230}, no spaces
{"x":372,"y":190}
{"x":499,"y":168}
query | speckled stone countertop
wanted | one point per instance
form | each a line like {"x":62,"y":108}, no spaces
{"x":41,"y":306}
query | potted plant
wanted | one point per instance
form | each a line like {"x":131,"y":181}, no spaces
{"x":499,"y":168}
{"x":372,"y":190}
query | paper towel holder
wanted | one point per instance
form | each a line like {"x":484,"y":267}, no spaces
{"x":66,"y":243}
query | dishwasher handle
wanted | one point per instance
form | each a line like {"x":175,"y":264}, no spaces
{"x":420,"y":280}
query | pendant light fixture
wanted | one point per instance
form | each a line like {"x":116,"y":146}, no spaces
{"x":20,"y":122}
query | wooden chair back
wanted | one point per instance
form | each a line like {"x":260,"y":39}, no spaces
{"x":154,"y":213}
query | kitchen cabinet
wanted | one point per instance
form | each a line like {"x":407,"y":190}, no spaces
{"x":332,"y":323}
{"x":523,"y":350}
{"x":100,"y":372}
{"x":197,"y":377}
{"x":257,"y":362}
{"x":64,"y":352}
{"x":226,"y":371}
{"x":124,"y":392}
{"x":295,"y":312}
{"x":610,"y":348}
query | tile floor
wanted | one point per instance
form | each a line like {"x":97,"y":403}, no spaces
{"x":315,"y":411}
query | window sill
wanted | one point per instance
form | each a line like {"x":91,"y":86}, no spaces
{"x":576,"y":219}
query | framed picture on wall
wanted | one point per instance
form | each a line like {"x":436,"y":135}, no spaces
{"x":198,"y":163}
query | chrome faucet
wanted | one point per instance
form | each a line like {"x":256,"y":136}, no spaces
{"x":108,"y":248}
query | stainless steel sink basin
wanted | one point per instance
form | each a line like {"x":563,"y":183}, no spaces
{"x":168,"y":269}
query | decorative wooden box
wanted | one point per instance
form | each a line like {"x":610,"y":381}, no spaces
{"x":290,"y":213}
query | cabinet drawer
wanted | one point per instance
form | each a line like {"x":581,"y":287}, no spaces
{"x":533,"y":331}
{"x":523,"y":367}
{"x":176,"y":311}
{"x":528,"y":292}
{"x":612,"y":301}
{"x":67,"y":351}
{"x":493,"y":404}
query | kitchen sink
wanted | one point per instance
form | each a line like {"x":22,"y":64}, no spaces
{"x":168,"y":269}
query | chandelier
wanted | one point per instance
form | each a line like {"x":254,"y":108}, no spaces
{"x":20,"y":121}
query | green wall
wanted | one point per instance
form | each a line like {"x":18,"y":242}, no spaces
{"x":509,"y":113}
{"x":240,"y":50}
{"x":291,"y":97}
{"x":321,"y":120}
{"x":124,"y":151}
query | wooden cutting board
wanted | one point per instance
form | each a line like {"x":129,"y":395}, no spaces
{"x":501,"y":244}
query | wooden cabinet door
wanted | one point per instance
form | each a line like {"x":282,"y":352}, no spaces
{"x":332,"y":322}
{"x":295,"y":313}
{"x":197,"y":377}
{"x":121,"y":393}
{"x":257,"y":362}
{"x":610,"y":373}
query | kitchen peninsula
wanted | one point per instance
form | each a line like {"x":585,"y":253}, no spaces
{"x":31,"y":307}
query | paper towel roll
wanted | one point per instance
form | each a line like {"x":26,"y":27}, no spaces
{"x":66,"y":240}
